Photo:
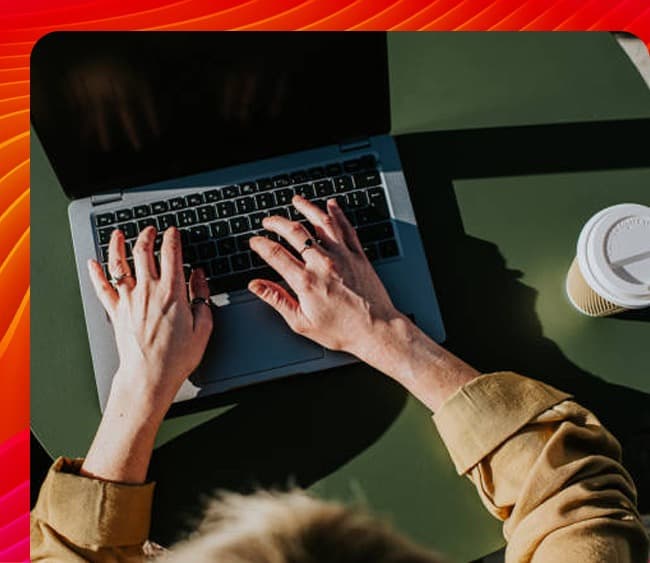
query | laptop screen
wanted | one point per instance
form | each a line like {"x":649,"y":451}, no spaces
{"x":116,"y":110}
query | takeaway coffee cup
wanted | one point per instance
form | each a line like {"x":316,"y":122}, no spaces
{"x":611,"y":270}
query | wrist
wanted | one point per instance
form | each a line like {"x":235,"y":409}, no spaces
{"x":386,"y":342}
{"x":137,"y":389}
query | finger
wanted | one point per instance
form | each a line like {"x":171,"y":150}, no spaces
{"x":277,"y":297}
{"x":349,"y":234}
{"x":297,"y":236}
{"x":145,"y":264}
{"x":117,"y":264}
{"x":280,"y":259}
{"x":323,"y":222}
{"x":105,"y":291}
{"x":201,"y":311}
{"x":171,"y":259}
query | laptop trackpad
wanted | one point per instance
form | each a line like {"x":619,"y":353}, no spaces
{"x":251,"y":337}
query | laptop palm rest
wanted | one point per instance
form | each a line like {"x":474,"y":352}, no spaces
{"x":250,"y":337}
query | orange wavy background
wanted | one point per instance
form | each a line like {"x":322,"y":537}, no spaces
{"x":23,"y":22}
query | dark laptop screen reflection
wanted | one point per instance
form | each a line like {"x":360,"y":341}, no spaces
{"x":116,"y":110}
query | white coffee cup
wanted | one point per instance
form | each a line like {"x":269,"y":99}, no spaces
{"x":611,"y":270}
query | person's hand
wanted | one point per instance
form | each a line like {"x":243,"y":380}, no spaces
{"x":160,"y":335}
{"x":339,"y":298}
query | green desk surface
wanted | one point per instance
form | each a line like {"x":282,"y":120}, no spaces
{"x":352,"y":434}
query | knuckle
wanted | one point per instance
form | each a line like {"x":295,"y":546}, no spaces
{"x":275,"y":251}
{"x":329,"y":266}
{"x":296,"y":228}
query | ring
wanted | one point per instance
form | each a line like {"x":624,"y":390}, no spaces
{"x":309,"y":243}
{"x":201,"y":301}
{"x":117,"y":280}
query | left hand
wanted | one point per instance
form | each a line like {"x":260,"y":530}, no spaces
{"x":160,"y":336}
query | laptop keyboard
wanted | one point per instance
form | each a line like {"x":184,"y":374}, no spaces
{"x":215,"y":224}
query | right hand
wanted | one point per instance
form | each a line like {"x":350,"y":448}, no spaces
{"x":339,"y":299}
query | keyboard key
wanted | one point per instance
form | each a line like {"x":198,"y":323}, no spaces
{"x":239,"y":225}
{"x":305,"y":190}
{"x":248,"y":188}
{"x":265,"y":200}
{"x":199,"y":233}
{"x":280,"y":212}
{"x":323,"y":188}
{"x":157,"y":242}
{"x":264,"y":184}
{"x":104,"y":219}
{"x":388,"y":248}
{"x":140,"y":211}
{"x":352,"y":165}
{"x":166,"y":221}
{"x":206,"y":213}
{"x":103,"y":254}
{"x":371,"y":251}
{"x":299,"y":177}
{"x":256,"y":260}
{"x":283,"y":197}
{"x":375,"y":232}
{"x":148,"y":222}
{"x":230,"y":191}
{"x":193,"y":200}
{"x":342,"y":184}
{"x":129,"y":229}
{"x":207,"y":251}
{"x":212,"y":196}
{"x":226,"y":246}
{"x":187,"y":271}
{"x":269,"y":235}
{"x":176,"y":203}
{"x":378,"y":203}
{"x":367,"y":179}
{"x":189,"y":254}
{"x":104,"y":235}
{"x":256,"y":220}
{"x":219,"y":267}
{"x":368,"y":161}
{"x":159,"y":207}
{"x":124,"y":214}
{"x":240,"y":262}
{"x":356,"y":200}
{"x":242,"y":242}
{"x":281,"y":181}
{"x":186,"y":218}
{"x":294,"y":214}
{"x":322,"y":203}
{"x":245,"y":205}
{"x":316,"y":173}
{"x":220,"y":229}
{"x":225,"y":209}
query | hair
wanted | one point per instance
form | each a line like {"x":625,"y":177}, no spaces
{"x":292,"y":527}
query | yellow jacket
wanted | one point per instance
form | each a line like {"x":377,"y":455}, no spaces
{"x":540,"y":462}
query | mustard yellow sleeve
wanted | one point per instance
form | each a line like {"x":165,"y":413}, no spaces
{"x":81,"y":519}
{"x":546,"y":467}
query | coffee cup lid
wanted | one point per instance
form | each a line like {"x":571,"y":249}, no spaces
{"x":614,"y":254}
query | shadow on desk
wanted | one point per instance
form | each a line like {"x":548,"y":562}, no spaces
{"x":289,"y":432}
{"x":492,"y":323}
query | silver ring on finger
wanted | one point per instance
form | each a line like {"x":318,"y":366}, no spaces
{"x":309,"y":243}
{"x":201,"y":301}
{"x":117,"y":280}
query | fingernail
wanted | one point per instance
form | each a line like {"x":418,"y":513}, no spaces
{"x":256,"y":286}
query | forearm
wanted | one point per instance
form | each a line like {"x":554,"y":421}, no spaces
{"x":402,"y":351}
{"x":123,"y":444}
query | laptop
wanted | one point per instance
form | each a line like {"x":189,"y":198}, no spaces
{"x":211,"y":132}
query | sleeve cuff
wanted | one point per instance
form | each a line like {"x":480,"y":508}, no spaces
{"x":91,"y":512}
{"x":485,"y":412}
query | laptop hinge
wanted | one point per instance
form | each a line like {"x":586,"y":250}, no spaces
{"x":101,"y":199}
{"x":354,"y":145}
